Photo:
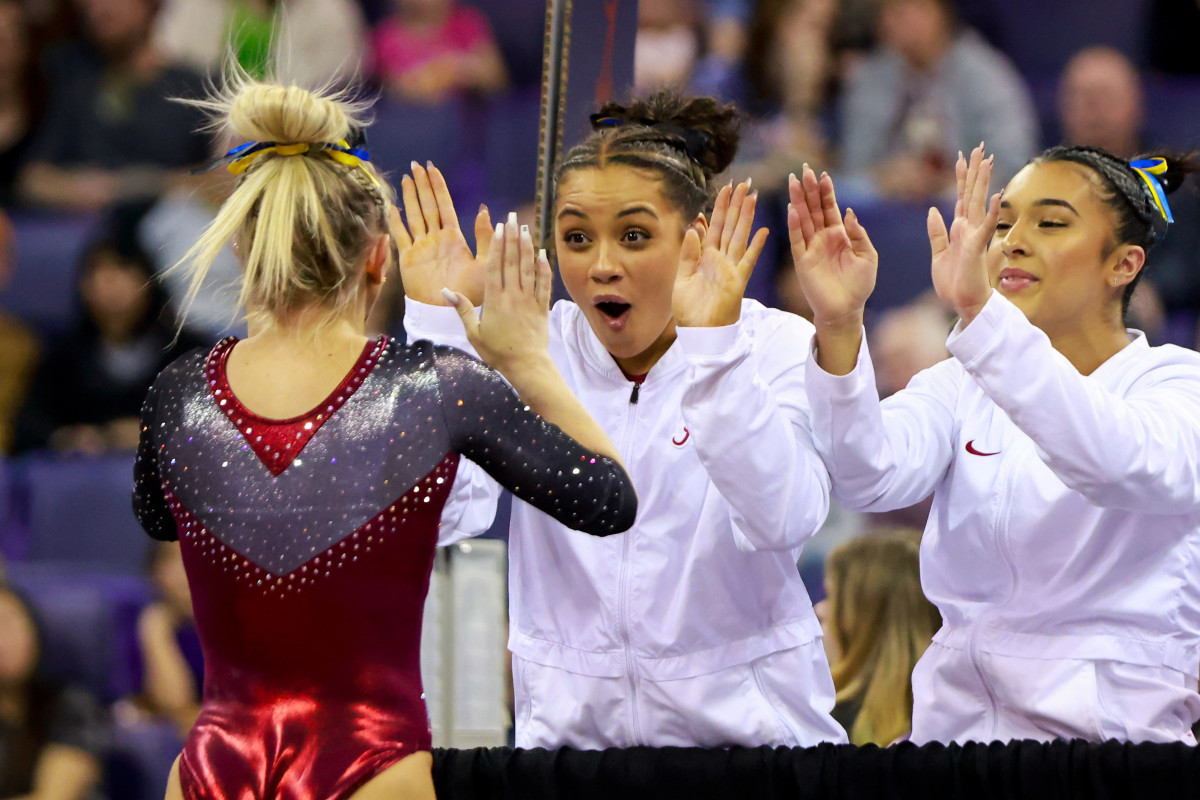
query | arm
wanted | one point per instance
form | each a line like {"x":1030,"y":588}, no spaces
{"x":751,"y":432}
{"x":750,"y":425}
{"x":530,"y":457}
{"x":168,"y":682}
{"x":876,"y":460}
{"x":149,"y":501}
{"x":64,"y":773}
{"x":1139,"y":452}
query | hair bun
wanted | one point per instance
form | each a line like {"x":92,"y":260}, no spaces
{"x":708,"y":131}
{"x":1179,"y":167}
{"x":267,"y":113}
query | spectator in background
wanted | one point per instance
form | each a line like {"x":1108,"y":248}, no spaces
{"x":89,"y":387}
{"x":18,"y":347}
{"x":877,"y":623}
{"x":51,"y":736}
{"x":668,"y":46}
{"x":111,"y":132}
{"x":787,"y":74}
{"x":1101,"y":104}
{"x":933,"y":88}
{"x":172,"y":664}
{"x":430,"y":51}
{"x":309,"y":42}
{"x":18,"y":96}
{"x":907,"y":339}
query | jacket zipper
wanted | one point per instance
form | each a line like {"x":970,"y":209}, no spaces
{"x":1002,"y":547}
{"x":623,"y":589}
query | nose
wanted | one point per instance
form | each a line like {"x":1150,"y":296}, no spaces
{"x":1013,"y":242}
{"x":604,"y":268}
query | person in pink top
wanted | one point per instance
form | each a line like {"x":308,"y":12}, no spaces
{"x":430,"y":50}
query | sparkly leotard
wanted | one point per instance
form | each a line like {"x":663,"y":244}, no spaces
{"x":309,"y":542}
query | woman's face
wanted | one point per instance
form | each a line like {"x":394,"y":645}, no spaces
{"x":1053,"y":254}
{"x":18,"y":642}
{"x":115,"y":292}
{"x":618,"y":240}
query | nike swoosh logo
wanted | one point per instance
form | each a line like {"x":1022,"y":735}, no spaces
{"x":686,"y":434}
{"x":971,"y":449}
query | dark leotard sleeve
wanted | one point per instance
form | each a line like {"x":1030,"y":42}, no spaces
{"x":149,"y":500}
{"x":527,"y":455}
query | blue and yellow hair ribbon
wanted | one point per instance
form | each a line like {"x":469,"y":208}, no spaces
{"x":1149,"y":169}
{"x":239,"y":159}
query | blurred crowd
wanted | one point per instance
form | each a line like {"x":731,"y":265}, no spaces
{"x":98,"y":187}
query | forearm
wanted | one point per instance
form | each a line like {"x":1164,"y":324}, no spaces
{"x":540,"y":385}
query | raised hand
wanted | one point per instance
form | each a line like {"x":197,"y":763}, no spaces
{"x":713,"y":274}
{"x":835,"y":261}
{"x":959,"y":263}
{"x":436,"y":255}
{"x":513,"y":331}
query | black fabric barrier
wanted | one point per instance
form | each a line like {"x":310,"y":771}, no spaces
{"x":1025,"y":770}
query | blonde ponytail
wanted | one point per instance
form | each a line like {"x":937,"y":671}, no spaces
{"x":302,"y":214}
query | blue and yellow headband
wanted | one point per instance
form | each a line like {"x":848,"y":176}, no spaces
{"x":239,"y":159}
{"x":1148,"y":169}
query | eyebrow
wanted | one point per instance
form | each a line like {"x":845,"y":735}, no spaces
{"x":1046,"y":201}
{"x":628,"y":212}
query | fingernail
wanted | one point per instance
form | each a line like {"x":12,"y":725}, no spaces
{"x":414,"y":164}
{"x":428,"y":165}
{"x":482,"y":207}
{"x":960,"y":155}
{"x":499,"y":229}
{"x":524,"y":230}
{"x":451,"y":297}
{"x":791,"y":177}
{"x":542,"y":254}
{"x":754,"y":194}
{"x":749,"y":182}
{"x":512,"y":218}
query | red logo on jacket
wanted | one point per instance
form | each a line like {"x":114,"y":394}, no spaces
{"x":971,"y":449}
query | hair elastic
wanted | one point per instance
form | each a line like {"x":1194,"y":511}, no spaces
{"x":1149,"y":169}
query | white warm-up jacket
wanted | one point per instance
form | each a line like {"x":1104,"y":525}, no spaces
{"x":1065,"y":521}
{"x":716,"y":440}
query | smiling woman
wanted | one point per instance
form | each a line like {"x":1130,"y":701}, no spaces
{"x":1062,"y":450}
{"x":695,"y":629}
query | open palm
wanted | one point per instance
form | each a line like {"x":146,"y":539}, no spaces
{"x":835,"y":261}
{"x":437,"y":255}
{"x":959,"y":265}
{"x":713,"y":274}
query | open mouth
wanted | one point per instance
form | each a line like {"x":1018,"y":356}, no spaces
{"x":613,"y":309}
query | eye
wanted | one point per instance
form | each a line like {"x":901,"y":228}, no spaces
{"x":635,"y":236}
{"x":575,"y":239}
{"x":1051,"y":223}
{"x":1003,"y":226}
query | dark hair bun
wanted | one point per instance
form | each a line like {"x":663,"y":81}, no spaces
{"x":1179,"y":166}
{"x":709,"y":131}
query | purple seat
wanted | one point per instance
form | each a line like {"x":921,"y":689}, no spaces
{"x":87,"y":621}
{"x":42,"y":288}
{"x":518,"y":26}
{"x":78,"y":510}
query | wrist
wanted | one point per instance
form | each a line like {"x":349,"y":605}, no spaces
{"x":969,"y":312}
{"x":850,"y":323}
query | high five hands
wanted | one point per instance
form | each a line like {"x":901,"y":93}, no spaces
{"x":433,"y":251}
{"x":835,"y":265}
{"x":959,"y":264}
{"x":714,"y":270}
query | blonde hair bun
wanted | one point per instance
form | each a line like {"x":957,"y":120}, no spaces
{"x":289,"y":114}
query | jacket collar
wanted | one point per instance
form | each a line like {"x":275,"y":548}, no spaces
{"x":600,"y":360}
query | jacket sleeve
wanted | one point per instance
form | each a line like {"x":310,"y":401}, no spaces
{"x":1138,"y":450}
{"x":747,"y":412}
{"x":438,"y":324}
{"x":149,"y":500}
{"x":883,"y":455}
